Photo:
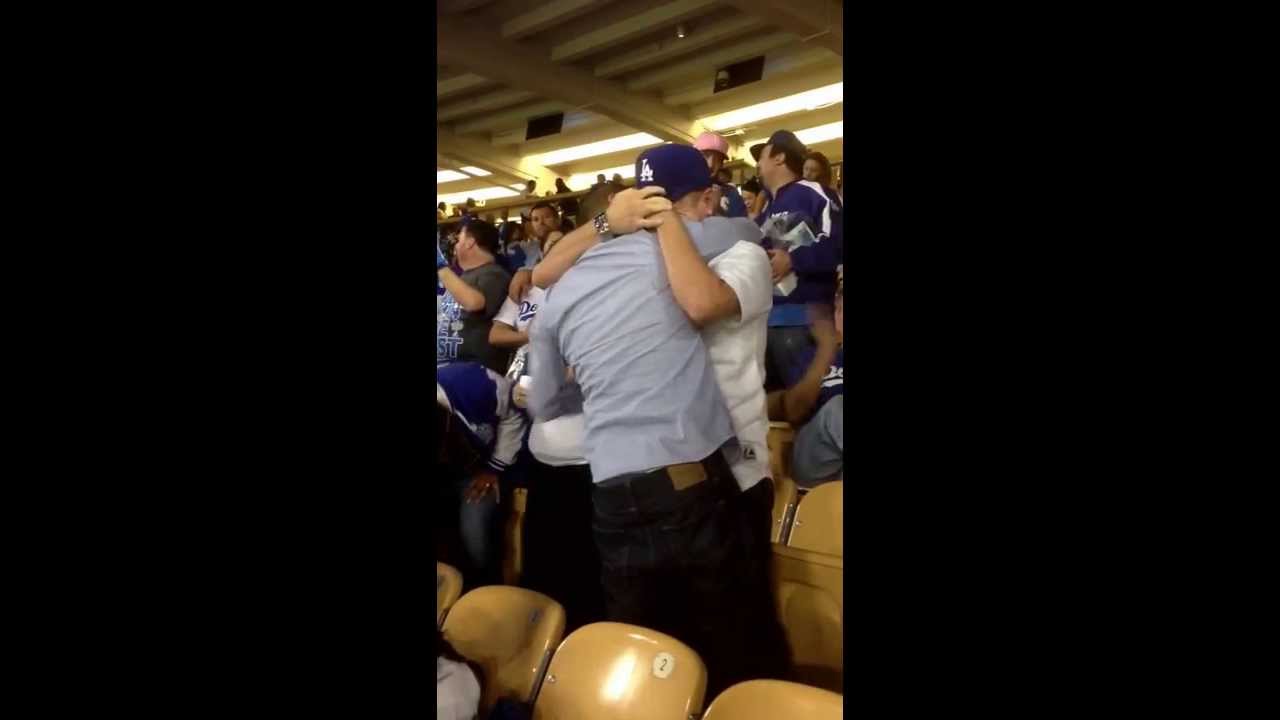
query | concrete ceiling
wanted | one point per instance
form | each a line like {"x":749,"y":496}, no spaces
{"x":616,"y":68}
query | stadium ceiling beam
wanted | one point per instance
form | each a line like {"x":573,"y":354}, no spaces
{"x":547,"y":15}
{"x":506,"y":169}
{"x":817,"y":22}
{"x":632,"y":25}
{"x":525,"y":67}
{"x":664,"y":50}
{"x":459,"y":83}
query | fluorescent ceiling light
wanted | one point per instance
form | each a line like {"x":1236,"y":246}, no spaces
{"x":444,"y":176}
{"x":604,"y":147}
{"x":583,"y":181}
{"x":809,"y":136}
{"x":808,"y":100}
{"x":478,"y":172}
{"x":491,"y":193}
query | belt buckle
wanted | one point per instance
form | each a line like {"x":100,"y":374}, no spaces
{"x":686,"y":475}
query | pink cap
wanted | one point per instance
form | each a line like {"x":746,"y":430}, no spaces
{"x":712,"y":141}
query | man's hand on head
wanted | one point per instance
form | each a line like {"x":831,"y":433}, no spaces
{"x":634,"y":209}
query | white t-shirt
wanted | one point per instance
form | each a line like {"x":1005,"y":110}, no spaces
{"x":558,"y":442}
{"x":518,"y":315}
{"x":736,"y":348}
{"x":457,"y":691}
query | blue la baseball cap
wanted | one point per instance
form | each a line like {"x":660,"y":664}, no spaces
{"x":678,"y":169}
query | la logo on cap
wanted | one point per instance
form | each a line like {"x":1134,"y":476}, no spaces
{"x":646,"y":172}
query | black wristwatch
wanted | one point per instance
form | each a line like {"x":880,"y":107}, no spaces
{"x":602,"y":227}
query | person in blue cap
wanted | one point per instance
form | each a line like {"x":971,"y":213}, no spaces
{"x":805,"y":274}
{"x":626,"y":319}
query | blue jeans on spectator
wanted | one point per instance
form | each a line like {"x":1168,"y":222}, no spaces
{"x":819,"y":451}
{"x":471,"y":532}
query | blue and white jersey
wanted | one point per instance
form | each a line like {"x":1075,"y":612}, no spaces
{"x":731,"y":202}
{"x":481,"y":399}
{"x":804,"y":201}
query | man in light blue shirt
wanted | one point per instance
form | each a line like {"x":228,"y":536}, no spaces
{"x":665,"y":505}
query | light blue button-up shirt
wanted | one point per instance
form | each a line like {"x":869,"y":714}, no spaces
{"x":650,"y":398}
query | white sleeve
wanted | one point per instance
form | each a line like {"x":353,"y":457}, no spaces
{"x":511,"y":424}
{"x":508,"y":313}
{"x":745,"y":269}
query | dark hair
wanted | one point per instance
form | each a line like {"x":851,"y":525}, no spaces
{"x":752,"y":185}
{"x":794,"y":162}
{"x":531,"y":184}
{"x":440,"y":207}
{"x":485,"y":234}
{"x":824,"y":177}
{"x":561,"y":186}
{"x":546,"y":205}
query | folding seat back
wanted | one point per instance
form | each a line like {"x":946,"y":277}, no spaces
{"x":774,"y":699}
{"x":448,"y":588}
{"x":510,"y":632}
{"x":785,"y":497}
{"x":622,"y":672}
{"x":809,"y":594}
{"x":819,"y":520}
{"x":781,"y":441}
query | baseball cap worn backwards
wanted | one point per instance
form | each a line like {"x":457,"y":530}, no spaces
{"x":781,"y":140}
{"x":678,"y":169}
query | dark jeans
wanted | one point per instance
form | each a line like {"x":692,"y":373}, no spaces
{"x":560,"y":556}
{"x":676,"y":559}
{"x":786,"y":349}
{"x":772,"y":655}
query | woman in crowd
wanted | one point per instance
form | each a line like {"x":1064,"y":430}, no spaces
{"x":818,"y":169}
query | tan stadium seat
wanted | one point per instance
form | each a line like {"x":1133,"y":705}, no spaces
{"x":513,"y":537}
{"x":448,"y":588}
{"x":775,"y":699}
{"x":785,"y":497}
{"x":819,"y":521}
{"x":510,"y":632}
{"x":622,"y":672}
{"x":809,"y":592}
{"x":781,"y":441}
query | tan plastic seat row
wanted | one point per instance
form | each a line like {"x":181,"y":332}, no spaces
{"x":809,"y":593}
{"x":818,"y":524}
{"x":510,"y":632}
{"x":774,"y":700}
{"x":622,"y":672}
{"x":448,"y":588}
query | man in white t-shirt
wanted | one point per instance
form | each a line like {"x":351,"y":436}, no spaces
{"x":721,"y":278}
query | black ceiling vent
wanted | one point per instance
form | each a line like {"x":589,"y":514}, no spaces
{"x":544,"y":126}
{"x":737,"y":74}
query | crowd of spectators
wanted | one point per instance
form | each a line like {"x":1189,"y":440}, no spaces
{"x":623,"y":366}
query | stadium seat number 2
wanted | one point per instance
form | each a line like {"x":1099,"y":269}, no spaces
{"x":663,"y":664}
